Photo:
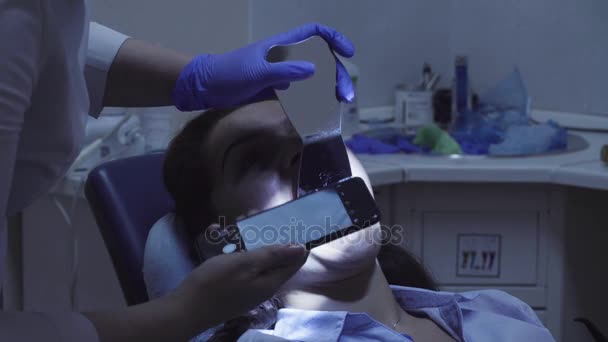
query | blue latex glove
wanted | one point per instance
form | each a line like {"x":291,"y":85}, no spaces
{"x":406,"y":145}
{"x":363,"y":144}
{"x":243,"y":76}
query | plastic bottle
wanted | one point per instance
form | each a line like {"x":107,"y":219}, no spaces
{"x":460,"y":89}
{"x":461,"y":85}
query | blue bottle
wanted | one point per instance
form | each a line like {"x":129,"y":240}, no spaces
{"x":461,"y":85}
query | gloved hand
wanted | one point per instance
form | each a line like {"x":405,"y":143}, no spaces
{"x":244,"y":75}
{"x":229,"y":285}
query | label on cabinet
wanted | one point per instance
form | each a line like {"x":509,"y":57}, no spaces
{"x":478,"y":255}
{"x":513,"y":237}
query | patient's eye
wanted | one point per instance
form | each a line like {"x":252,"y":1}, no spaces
{"x":253,"y":156}
{"x":295,"y":160}
{"x":258,"y":151}
{"x":249,"y":160}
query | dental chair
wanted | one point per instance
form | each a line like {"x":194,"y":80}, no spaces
{"x":127,"y":196}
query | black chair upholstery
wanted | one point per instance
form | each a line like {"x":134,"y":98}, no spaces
{"x":127,"y":197}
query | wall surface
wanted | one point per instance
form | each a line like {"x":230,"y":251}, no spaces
{"x":191,"y":26}
{"x":559,"y":45}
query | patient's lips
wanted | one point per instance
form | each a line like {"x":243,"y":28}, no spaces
{"x":281,"y":197}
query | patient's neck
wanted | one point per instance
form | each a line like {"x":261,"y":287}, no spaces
{"x":366,"y":291}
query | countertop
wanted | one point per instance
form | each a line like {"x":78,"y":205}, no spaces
{"x":583,"y":168}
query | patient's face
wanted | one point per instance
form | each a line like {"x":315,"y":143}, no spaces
{"x":256,"y":154}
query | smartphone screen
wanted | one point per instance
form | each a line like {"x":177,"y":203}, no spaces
{"x":318,"y":217}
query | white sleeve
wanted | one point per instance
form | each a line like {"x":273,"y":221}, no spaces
{"x":104,"y":44}
{"x":19,"y":70}
{"x":18,"y":77}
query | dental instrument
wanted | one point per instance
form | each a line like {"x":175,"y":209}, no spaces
{"x":433,"y":82}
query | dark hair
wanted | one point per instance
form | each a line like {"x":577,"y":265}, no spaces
{"x":187,"y":175}
{"x":188,"y":180}
{"x":402,"y":268}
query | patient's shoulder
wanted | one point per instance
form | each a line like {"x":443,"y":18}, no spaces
{"x":167,"y":260}
{"x":260,"y":336}
{"x":166,"y":236}
{"x":501,"y":303}
{"x":164,"y":226}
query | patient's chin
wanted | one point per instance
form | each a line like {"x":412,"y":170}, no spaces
{"x":337,"y":260}
{"x":350,"y":251}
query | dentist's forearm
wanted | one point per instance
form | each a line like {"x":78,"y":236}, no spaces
{"x":143,"y":75}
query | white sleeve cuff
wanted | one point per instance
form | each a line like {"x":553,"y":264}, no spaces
{"x":104,"y":44}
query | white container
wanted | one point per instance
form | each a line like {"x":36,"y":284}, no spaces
{"x":413,"y":109}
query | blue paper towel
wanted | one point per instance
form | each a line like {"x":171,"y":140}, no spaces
{"x":384,"y":144}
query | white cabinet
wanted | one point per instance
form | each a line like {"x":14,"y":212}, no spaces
{"x":541,"y":315}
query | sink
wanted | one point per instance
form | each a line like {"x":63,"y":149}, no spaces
{"x":576,"y":143}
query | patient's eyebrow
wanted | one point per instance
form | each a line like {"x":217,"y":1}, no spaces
{"x":242,"y":140}
{"x":283,"y":124}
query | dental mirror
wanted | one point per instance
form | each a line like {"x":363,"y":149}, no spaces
{"x":314,"y":111}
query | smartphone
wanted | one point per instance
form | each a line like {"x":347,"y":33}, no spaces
{"x":313,"y":219}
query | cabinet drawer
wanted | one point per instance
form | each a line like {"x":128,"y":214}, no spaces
{"x":481,"y":248}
